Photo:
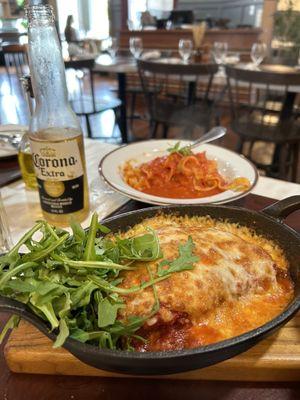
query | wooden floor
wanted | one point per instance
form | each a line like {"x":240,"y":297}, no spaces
{"x":14,"y":110}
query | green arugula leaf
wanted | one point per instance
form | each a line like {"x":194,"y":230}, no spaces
{"x":107,"y":312}
{"x":63,"y":334}
{"x":143,"y":248}
{"x":82,"y":295}
{"x":105,"y":341}
{"x":6,"y":276}
{"x":80,"y":335}
{"x":21,"y":286}
{"x":12,"y":323}
{"x":62,"y":305}
{"x":46,"y":309}
{"x":39,"y":255}
{"x":184,"y":262}
{"x":108,"y":287}
{"x":89,"y":252}
{"x":78,"y":231}
{"x":103,"y":229}
{"x":12,"y":255}
{"x":104,"y":337}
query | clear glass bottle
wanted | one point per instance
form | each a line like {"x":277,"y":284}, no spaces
{"x":55,"y":135}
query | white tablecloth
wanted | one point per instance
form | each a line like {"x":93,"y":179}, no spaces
{"x":22,"y":206}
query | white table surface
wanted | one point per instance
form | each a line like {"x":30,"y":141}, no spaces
{"x":23,"y":208}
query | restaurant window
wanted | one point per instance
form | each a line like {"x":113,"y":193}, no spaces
{"x":160,"y":8}
{"x":98,"y":19}
{"x":65,"y":8}
{"x":157,"y":8}
{"x":135,"y":8}
{"x":90,"y":17}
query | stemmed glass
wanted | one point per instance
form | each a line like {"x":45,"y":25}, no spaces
{"x":136,"y":46}
{"x":185,"y":48}
{"x":258,"y":53}
{"x":219,"y":52}
{"x":112,"y":47}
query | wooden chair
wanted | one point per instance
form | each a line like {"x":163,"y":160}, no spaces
{"x":183,"y":108}
{"x":15,"y":56}
{"x":84,"y":102}
{"x":263,"y":108}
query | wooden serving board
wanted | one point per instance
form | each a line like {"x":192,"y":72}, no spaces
{"x":276,"y":358}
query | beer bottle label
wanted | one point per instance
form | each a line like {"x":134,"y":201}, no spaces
{"x":60,"y":175}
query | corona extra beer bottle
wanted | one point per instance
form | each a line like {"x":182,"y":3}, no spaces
{"x":55,"y":136}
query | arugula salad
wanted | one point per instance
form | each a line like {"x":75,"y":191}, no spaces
{"x":72,"y":281}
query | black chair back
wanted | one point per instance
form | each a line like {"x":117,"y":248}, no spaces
{"x":83,"y":100}
{"x":166,"y":83}
{"x":269,"y":92}
{"x":264,"y":106}
{"x":83,"y":91}
{"x":16,"y":61}
{"x":15,"y":55}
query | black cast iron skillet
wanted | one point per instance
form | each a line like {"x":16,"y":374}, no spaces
{"x":268,"y":222}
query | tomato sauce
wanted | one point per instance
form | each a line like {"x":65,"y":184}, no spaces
{"x":176,"y":176}
{"x":225,"y":321}
{"x":175,"y":190}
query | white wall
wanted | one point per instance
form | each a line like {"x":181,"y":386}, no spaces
{"x":238,"y":11}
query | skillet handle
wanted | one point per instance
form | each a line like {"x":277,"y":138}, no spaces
{"x":20,"y":309}
{"x":12,"y":306}
{"x":281,"y":209}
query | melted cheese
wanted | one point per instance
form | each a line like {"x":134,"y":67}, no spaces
{"x":236,"y":274}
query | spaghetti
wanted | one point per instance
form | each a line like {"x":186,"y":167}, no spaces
{"x":181,"y":174}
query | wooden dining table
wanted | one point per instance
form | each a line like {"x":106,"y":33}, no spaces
{"x":22,"y":207}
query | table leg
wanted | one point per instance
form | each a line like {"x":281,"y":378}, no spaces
{"x":288,"y":105}
{"x":123,"y":110}
{"x":286,"y":113}
{"x":191,"y":92}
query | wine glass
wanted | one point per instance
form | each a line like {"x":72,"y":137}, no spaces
{"x":219,"y":52}
{"x":185,"y":48}
{"x":136,"y":46}
{"x":112,"y":47}
{"x":258,"y":53}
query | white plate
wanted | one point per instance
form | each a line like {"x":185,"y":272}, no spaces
{"x":6,"y":149}
{"x":230,"y":164}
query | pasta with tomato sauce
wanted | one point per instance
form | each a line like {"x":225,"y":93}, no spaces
{"x":180,"y":175}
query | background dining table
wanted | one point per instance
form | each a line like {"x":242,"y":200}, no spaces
{"x":122,"y":65}
{"x":22,"y":207}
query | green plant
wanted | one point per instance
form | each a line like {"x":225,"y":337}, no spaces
{"x":20,"y":3}
{"x":286,"y":25}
